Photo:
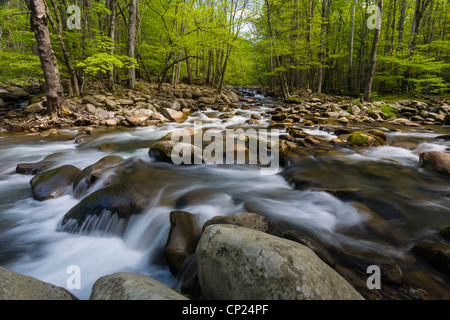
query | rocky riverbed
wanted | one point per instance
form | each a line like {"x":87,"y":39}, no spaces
{"x":359,"y":185}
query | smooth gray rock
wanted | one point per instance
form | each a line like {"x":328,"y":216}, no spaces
{"x":16,"y":286}
{"x":238,"y":263}
{"x":130,"y":286}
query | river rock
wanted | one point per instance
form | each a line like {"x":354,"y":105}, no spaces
{"x":129,"y":191}
{"x":243,"y":219}
{"x":143,"y":115}
{"x":53,"y":183}
{"x":162,"y":151}
{"x":37,"y":167}
{"x":130,"y":286}
{"x":377,"y":132}
{"x":90,"y":100}
{"x":236,"y":263}
{"x":316,"y":247}
{"x":88,"y":176}
{"x":111,"y":104}
{"x":436,"y":254}
{"x":207,"y":100}
{"x":182,"y":241}
{"x":91,"y":109}
{"x":16,"y":286}
{"x":173,"y":115}
{"x":436,"y":161}
{"x":363,"y":139}
{"x":108,"y":147}
{"x":291,"y":153}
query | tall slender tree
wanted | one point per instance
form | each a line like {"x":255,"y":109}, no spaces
{"x":373,"y":55}
{"x":54,"y":91}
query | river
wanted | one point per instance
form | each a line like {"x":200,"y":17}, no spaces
{"x":413,"y":204}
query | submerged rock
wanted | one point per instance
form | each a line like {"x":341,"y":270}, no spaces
{"x":129,"y":286}
{"x":244,"y":264}
{"x":131,"y":194}
{"x":88,"y":176}
{"x":53,"y":183}
{"x":390,"y":270}
{"x":436,"y":254}
{"x":318,"y":249}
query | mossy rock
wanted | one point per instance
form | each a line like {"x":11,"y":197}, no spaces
{"x":363,"y":139}
{"x":293,"y":100}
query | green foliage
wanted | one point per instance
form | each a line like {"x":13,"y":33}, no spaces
{"x":102,"y":62}
{"x":388,"y":111}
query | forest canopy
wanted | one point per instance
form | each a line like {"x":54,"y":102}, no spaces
{"x":283,"y":45}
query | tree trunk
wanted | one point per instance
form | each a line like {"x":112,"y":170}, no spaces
{"x":352,"y":36}
{"x":57,"y":27}
{"x":373,"y":58}
{"x":132,"y":22}
{"x":401,"y":25}
{"x":112,"y":35}
{"x":277,"y":62}
{"x":224,"y":68}
{"x":53,"y":86}
{"x":321,"y":53}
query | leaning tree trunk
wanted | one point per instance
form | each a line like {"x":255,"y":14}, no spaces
{"x":373,"y":57}
{"x":53,"y":86}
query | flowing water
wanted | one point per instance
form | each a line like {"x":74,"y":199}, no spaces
{"x":411,"y":204}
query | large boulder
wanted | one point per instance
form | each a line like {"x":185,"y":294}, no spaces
{"x":53,"y":183}
{"x":16,"y":286}
{"x":88,"y":176}
{"x":436,"y":161}
{"x":244,"y":264}
{"x":129,"y":286}
{"x":182,"y":240}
